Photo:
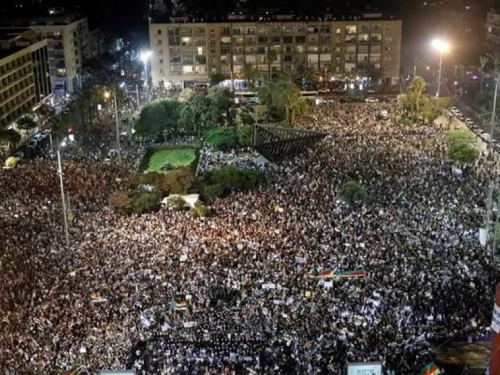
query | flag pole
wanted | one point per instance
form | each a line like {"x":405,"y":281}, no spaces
{"x":65,"y":216}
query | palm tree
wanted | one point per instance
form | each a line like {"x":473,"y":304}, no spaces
{"x":483,"y":60}
{"x":248,"y":73}
{"x":271,"y":57}
{"x":416,"y":92}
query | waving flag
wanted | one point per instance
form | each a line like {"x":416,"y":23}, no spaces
{"x":358,"y":273}
{"x":178,"y":305}
{"x":430,"y":369}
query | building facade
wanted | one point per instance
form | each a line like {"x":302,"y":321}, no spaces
{"x":186,"y":53}
{"x":68,"y":45}
{"x":24,"y":75}
{"x":492,"y":32}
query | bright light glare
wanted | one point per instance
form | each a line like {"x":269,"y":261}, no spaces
{"x":107,"y":94}
{"x":441,"y":45}
{"x":145,"y":55}
{"x":122,"y":84}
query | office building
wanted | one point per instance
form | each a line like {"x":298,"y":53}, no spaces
{"x":24,"y":73}
{"x":189,"y":52}
{"x":68,"y":45}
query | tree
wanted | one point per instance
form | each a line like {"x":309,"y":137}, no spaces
{"x":219,"y":183}
{"x":415,"y":94}
{"x":461,"y":146}
{"x":144,"y":202}
{"x":26,"y":123}
{"x":249,"y":74}
{"x":217,"y":78}
{"x":352,"y":193}
{"x":270,"y":58}
{"x":463,"y":153}
{"x":246,"y":115}
{"x":159,"y":118}
{"x":186,"y":95}
{"x":226,"y":138}
{"x":432,"y":108}
{"x":120,"y":201}
{"x":9,"y":138}
{"x":198,"y":114}
{"x":283,"y":96}
{"x":221,"y":102}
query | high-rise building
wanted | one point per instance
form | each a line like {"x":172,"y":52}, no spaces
{"x":68,"y":46}
{"x":189,"y":52}
{"x":24,"y":73}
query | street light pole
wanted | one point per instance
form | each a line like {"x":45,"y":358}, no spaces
{"x":487,"y":221}
{"x":118,"y":148}
{"x":65,"y":215}
{"x":439,"y":74}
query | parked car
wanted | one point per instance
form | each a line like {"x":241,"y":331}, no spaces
{"x":371,"y":100}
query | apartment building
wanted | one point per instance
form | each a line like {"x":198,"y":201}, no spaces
{"x":24,"y":73}
{"x":492,"y":32}
{"x":187,"y":53}
{"x":68,"y":45}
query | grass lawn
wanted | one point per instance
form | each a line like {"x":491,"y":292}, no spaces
{"x":177,"y":157}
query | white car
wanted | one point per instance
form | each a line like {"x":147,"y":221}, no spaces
{"x":371,"y":100}
{"x":323,"y":91}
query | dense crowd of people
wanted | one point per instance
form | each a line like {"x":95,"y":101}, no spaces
{"x":242,"y":292}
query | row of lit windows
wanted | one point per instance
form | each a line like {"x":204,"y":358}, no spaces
{"x":285,"y":29}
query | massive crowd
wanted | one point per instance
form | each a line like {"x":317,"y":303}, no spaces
{"x":165,"y":293}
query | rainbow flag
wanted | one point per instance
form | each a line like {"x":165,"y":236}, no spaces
{"x":178,"y":306}
{"x":358,"y":273}
{"x":324,"y":274}
{"x":73,"y":371}
{"x":430,"y":369}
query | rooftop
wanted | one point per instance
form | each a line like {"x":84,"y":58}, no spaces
{"x":269,"y":17}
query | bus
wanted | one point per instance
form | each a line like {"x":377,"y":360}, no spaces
{"x":246,"y":97}
{"x":309,"y":94}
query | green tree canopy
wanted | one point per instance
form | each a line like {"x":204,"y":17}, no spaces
{"x":9,"y":137}
{"x":226,"y":138}
{"x":461,"y":146}
{"x":352,"y":192}
{"x":26,"y":123}
{"x":283,"y":97}
{"x":161,"y":117}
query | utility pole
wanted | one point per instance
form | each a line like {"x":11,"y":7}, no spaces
{"x":487,"y":220}
{"x":118,"y":148}
{"x":65,"y":216}
{"x":439,"y":74}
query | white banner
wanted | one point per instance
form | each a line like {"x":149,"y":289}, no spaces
{"x":495,"y":323}
{"x":483,"y":236}
{"x":364,"y":368}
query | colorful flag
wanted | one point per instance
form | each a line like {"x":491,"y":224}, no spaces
{"x":73,"y":371}
{"x":178,"y":305}
{"x":430,"y":369}
{"x":324,"y":274}
{"x":358,"y":273}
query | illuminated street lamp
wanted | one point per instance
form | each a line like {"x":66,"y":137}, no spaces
{"x":145,"y":56}
{"x":107,"y":95}
{"x":443,"y":47}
